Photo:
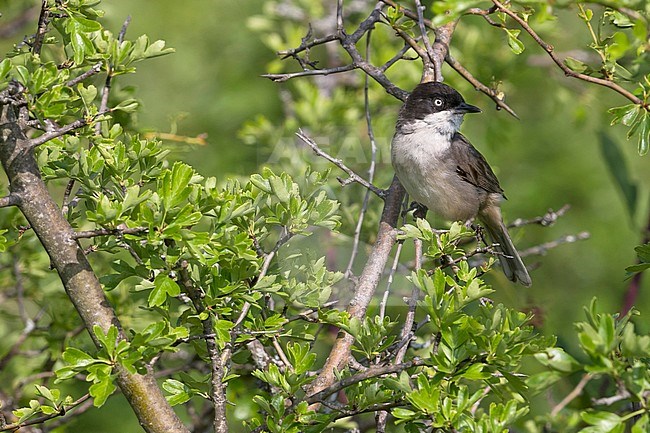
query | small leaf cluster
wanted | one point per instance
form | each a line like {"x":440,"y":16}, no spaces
{"x":614,"y":360}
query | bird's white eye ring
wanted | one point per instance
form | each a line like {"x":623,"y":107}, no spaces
{"x":437,"y":102}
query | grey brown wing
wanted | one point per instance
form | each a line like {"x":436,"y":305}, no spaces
{"x":472,"y":166}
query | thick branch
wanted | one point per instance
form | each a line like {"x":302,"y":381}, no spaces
{"x":79,"y":280}
{"x":366,"y":286}
{"x":568,"y":71}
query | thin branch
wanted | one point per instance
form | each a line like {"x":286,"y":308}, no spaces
{"x":567,"y":71}
{"x":9,"y":200}
{"x":399,"y":56}
{"x":103,"y":105}
{"x":348,"y":42}
{"x":50,"y":135}
{"x":217,"y":388}
{"x":371,"y":169}
{"x":280,"y":78}
{"x":572,"y":395}
{"x":305,"y":45}
{"x":391,"y":277}
{"x":485,"y":13}
{"x":497,"y":97}
{"x":548,"y":219}
{"x":89,"y":73}
{"x":543,"y":248}
{"x":110,"y":232}
{"x":352,"y":176}
{"x":369,"y":373}
{"x":43,"y":21}
{"x":429,"y":69}
{"x":40,"y":420}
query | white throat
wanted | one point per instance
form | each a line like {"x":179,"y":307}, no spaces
{"x":445,"y":123}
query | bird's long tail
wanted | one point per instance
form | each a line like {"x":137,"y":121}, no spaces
{"x":511,"y":263}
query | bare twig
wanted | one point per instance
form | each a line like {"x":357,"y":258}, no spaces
{"x":543,"y":248}
{"x":371,"y":169}
{"x":568,"y":71}
{"x":361,"y":376}
{"x":548,"y":219}
{"x":349,"y":43}
{"x":485,"y":13}
{"x":89,"y":73}
{"x":429,"y":69}
{"x":572,"y":395}
{"x":497,"y":97}
{"x":280,"y":78}
{"x":391,"y":277}
{"x":352,"y":176}
{"x":50,"y":135}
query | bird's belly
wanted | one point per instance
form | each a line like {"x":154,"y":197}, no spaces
{"x":440,"y":189}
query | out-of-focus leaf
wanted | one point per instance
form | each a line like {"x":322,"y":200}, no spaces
{"x":619,"y":170}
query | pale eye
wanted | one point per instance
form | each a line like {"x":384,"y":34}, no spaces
{"x":437,"y":102}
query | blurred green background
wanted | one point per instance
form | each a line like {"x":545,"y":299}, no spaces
{"x":551,"y":156}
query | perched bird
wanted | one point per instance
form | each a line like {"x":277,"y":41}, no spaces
{"x":440,"y":169}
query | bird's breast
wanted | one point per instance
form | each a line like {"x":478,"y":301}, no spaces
{"x":423,"y":165}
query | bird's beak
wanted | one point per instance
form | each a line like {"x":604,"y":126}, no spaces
{"x":467,"y":108}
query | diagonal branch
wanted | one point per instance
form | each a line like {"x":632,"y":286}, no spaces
{"x":79,"y":280}
{"x":50,"y":135}
{"x":352,"y":176}
{"x":568,"y":71}
{"x":369,"y":373}
{"x":497,"y":97}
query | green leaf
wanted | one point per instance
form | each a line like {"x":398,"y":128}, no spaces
{"x":575,"y":64}
{"x":179,"y":392}
{"x":514,"y":43}
{"x":174,"y":185}
{"x":77,"y":358}
{"x":100,"y":391}
{"x":603,"y":422}
{"x":164,"y":286}
{"x":619,"y":170}
{"x":644,"y":135}
{"x":5,"y":67}
{"x":128,"y":105}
